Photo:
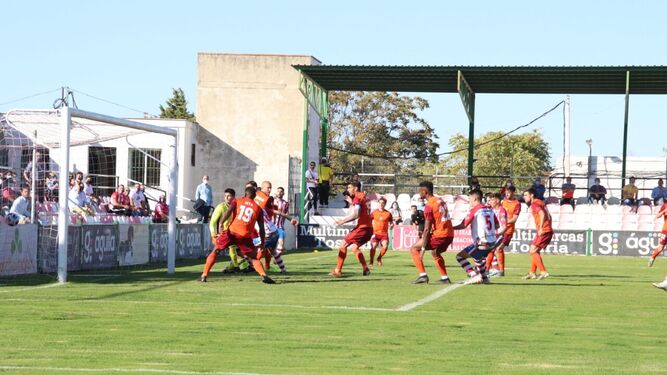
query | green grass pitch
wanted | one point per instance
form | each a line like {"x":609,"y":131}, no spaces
{"x":594,"y":316}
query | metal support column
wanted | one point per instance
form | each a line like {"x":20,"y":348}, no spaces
{"x":625,"y":127}
{"x":324,"y":118}
{"x":468,"y":100}
{"x":304,"y":163}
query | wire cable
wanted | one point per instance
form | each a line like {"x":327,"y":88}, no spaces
{"x":30,"y":96}
{"x":114,"y":103}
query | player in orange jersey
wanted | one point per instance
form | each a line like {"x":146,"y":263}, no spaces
{"x":661,"y":246}
{"x":240,"y":233}
{"x":382,"y":221}
{"x":544,"y":233}
{"x":663,"y":238}
{"x":512,"y":207}
{"x":361,"y":233}
{"x":265,"y":201}
{"x":438,"y":234}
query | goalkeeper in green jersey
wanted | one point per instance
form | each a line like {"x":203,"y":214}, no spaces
{"x":236,"y":263}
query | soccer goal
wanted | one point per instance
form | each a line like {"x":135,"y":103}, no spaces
{"x":41,"y":151}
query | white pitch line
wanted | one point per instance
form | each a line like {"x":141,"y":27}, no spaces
{"x":430,"y":298}
{"x":119,"y":369}
{"x":33,"y":287}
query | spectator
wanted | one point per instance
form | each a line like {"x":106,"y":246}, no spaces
{"x":52,"y":187}
{"x":395,"y":211}
{"x":137,"y":199}
{"x":417,"y":219}
{"x":504,"y":188}
{"x":78,"y":177}
{"x":161,"y":212}
{"x":20,"y":206}
{"x":204,"y":199}
{"x":355,"y":178}
{"x":120,"y":203}
{"x":597,"y":193}
{"x":540,"y":189}
{"x":79,"y":201}
{"x":40,"y":175}
{"x":312,"y":181}
{"x":659,"y":194}
{"x":474,"y":184}
{"x":88,"y":190}
{"x":325,"y":175}
{"x":630,"y":193}
{"x":8,"y":192}
{"x":567,"y":190}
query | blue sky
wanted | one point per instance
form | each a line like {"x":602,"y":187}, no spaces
{"x":134,"y":52}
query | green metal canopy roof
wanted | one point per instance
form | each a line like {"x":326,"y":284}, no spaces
{"x":491,"y":79}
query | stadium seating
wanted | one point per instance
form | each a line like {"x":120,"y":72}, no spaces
{"x":403,"y":201}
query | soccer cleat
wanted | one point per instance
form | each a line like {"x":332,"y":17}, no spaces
{"x":367,"y":272}
{"x":494,"y":272}
{"x":202,"y":279}
{"x":543,"y":276}
{"x":267,"y":280}
{"x":662,"y":285}
{"x":486,"y":281}
{"x":445,"y":281}
{"x":474,"y":280}
{"x":650,"y":261}
{"x":501,"y":273}
{"x":529,"y":276}
{"x":423,"y":279}
{"x":283,"y":272}
{"x":335,"y":273}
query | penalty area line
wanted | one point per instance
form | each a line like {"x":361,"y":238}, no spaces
{"x":430,"y":298}
{"x":33,"y":287}
{"x":122,"y":370}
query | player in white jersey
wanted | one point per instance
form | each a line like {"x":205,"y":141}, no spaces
{"x":280,"y":205}
{"x":483,"y":224}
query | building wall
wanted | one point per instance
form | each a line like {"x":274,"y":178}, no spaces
{"x":253,"y":105}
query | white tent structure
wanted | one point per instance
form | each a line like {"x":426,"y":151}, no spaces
{"x":67,"y":127}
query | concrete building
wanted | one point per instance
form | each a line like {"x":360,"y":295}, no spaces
{"x":252,"y":103}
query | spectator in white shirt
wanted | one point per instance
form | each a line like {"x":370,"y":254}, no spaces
{"x":88,"y":190}
{"x":137,"y":199}
{"x":312,"y":182}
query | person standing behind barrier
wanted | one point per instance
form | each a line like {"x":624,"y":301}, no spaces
{"x":161,"y":212}
{"x":312,"y":183}
{"x":120,"y":203}
{"x":395,"y":211}
{"x":325,"y":176}
{"x":630,"y":193}
{"x":567,"y":190}
{"x":539,"y":188}
{"x":204,"y":199}
{"x":20,"y":206}
{"x":597,"y":193}
{"x":659,"y":193}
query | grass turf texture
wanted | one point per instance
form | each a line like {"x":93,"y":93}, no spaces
{"x":595,"y":315}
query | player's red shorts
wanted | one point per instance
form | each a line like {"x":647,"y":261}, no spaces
{"x":542,"y":241}
{"x":507,"y":238}
{"x":227,"y":238}
{"x":663,"y":239}
{"x":359,"y":236}
{"x":440,"y":243}
{"x":379,"y":238}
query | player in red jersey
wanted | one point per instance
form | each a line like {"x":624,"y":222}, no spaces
{"x":437,"y":236}
{"x":382,"y":221}
{"x":661,"y":246}
{"x":663,"y":238}
{"x":544,"y":233}
{"x":361,"y":233}
{"x":240,"y":233}
{"x":493,"y":199}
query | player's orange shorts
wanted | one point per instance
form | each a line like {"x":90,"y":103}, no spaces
{"x":227,"y":238}
{"x":663,"y":238}
{"x":440,"y":243}
{"x":379,"y":238}
{"x":507,"y":238}
{"x":359,"y":236}
{"x":542,"y":241}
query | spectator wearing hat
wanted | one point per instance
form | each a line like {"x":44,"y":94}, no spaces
{"x":659,"y":193}
{"x":630,"y":193}
{"x":324,"y":187}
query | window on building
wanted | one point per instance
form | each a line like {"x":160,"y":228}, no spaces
{"x":144,"y":167}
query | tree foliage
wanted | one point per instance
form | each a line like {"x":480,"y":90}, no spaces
{"x":384,"y":126}
{"x":177,"y":107}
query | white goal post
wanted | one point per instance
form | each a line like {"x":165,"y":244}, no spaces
{"x":65,"y":120}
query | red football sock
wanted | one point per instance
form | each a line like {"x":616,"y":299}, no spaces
{"x":440,"y":264}
{"x":533,"y":265}
{"x":417,"y":260}
{"x":657,"y":252}
{"x":500,"y":254}
{"x":537,"y":259}
{"x":489,"y":259}
{"x":210,"y":261}
{"x":360,"y":258}
{"x":383,"y":252}
{"x":342,"y":253}
{"x":259,"y":268}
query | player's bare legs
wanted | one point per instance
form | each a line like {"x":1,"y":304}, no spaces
{"x":655,"y":254}
{"x":374,"y":245}
{"x":418,"y":260}
{"x":440,"y":265}
{"x":342,"y":254}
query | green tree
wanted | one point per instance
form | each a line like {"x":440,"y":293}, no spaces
{"x":177,"y":107}
{"x":383,"y":129}
{"x":526,"y":154}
